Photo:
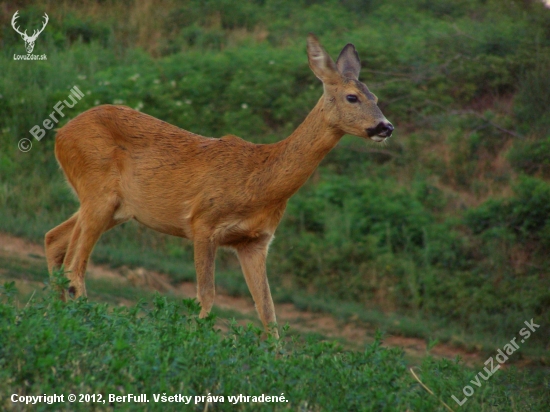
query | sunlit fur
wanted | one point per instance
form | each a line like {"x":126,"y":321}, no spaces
{"x":123,"y":165}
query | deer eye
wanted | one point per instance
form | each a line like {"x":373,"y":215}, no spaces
{"x":352,"y":98}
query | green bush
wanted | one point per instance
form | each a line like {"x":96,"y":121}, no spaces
{"x":532,"y":103}
{"x":531,"y":157}
{"x":526,"y":215}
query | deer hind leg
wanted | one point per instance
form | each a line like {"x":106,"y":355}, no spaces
{"x":92,"y":221}
{"x":253,"y":259}
{"x":205,"y":255}
{"x":56,"y":242}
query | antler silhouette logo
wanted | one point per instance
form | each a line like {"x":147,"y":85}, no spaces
{"x":29,"y":40}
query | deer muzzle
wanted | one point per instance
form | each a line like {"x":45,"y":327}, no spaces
{"x":382,"y":129}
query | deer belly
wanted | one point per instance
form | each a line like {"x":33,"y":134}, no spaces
{"x":169,"y":223}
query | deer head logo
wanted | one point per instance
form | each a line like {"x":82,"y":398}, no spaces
{"x":29,"y":40}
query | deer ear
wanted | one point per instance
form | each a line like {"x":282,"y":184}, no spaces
{"x":320,"y":62}
{"x":348,"y":62}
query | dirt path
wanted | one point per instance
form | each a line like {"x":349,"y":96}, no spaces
{"x":305,"y":322}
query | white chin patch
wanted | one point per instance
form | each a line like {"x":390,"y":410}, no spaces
{"x":378,"y":139}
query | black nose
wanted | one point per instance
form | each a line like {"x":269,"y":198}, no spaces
{"x":382,"y":129}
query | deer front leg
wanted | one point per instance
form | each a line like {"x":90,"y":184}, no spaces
{"x":253,"y":258}
{"x":205,"y":255}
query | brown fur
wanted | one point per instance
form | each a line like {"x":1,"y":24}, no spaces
{"x":125,"y":165}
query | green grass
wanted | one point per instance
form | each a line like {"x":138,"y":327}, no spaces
{"x":159,"y":346}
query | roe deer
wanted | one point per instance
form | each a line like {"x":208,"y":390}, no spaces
{"x":125,"y":165}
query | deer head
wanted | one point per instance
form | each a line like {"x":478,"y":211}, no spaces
{"x":349,"y":105}
{"x":29,"y":40}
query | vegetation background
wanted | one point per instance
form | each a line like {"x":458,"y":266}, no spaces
{"x":442,"y":233}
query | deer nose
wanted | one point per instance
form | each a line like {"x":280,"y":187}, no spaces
{"x":382,"y":129}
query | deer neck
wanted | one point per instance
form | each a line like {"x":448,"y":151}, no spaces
{"x":297,"y":157}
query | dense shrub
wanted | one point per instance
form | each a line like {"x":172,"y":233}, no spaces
{"x":526,"y":215}
{"x":531,"y":157}
{"x":532,"y":103}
